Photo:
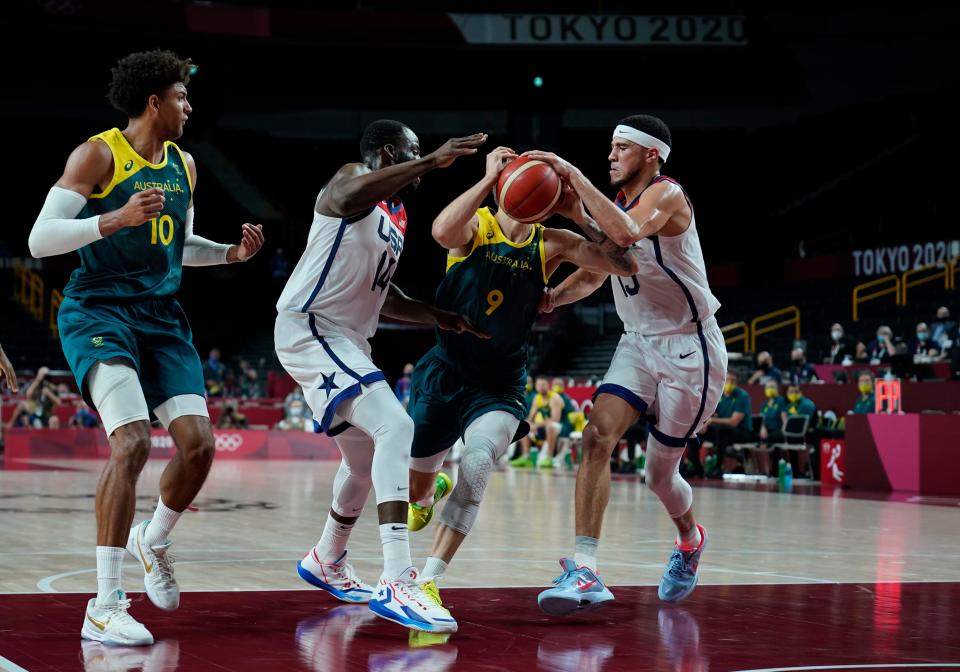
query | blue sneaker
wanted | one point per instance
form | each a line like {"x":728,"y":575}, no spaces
{"x":683,"y":569}
{"x":577,"y":589}
{"x":336,"y":578}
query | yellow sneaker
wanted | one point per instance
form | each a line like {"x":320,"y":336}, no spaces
{"x":419,"y":516}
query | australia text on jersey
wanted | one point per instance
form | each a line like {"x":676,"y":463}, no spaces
{"x":507,"y":261}
{"x":166,"y":186}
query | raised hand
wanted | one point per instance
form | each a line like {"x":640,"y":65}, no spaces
{"x":453,"y":148}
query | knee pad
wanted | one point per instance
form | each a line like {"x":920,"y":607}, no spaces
{"x":483,"y":446}
{"x":664,"y":480}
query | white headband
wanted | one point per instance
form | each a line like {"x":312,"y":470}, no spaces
{"x":642,"y":139}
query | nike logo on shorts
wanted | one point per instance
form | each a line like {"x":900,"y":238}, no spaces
{"x":688,"y":354}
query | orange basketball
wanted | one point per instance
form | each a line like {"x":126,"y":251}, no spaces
{"x":528,"y":190}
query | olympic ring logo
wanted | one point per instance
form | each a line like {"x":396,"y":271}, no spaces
{"x":228,"y":442}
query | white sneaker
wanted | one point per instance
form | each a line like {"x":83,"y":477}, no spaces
{"x":111,"y":624}
{"x":157,"y":563}
{"x":336,"y":578}
{"x":403,"y":601}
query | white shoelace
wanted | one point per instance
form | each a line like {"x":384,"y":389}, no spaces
{"x":346,"y":574}
{"x":165,"y":562}
{"x":118,"y":612}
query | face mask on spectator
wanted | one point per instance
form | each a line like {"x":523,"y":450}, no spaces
{"x":865,"y":388}
{"x":771,"y":392}
{"x":764,"y":366}
{"x":558,"y":388}
{"x":794,"y":397}
{"x":923,"y":335}
{"x":728,"y":388}
{"x":836,"y":334}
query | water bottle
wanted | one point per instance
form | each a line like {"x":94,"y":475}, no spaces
{"x":534,"y":455}
{"x":710,"y":464}
{"x":788,"y":477}
{"x":781,"y":471}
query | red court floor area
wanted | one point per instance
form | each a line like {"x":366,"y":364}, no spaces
{"x":742,"y":627}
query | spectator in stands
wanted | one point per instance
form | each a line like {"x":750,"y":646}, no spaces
{"x":402,"y":386}
{"x":230,"y":418}
{"x":84,"y":418}
{"x":921,"y":343}
{"x":800,"y":370}
{"x":53,"y":422}
{"x":296,"y":403}
{"x":882,"y":348}
{"x":771,"y":431}
{"x":732,"y":423}
{"x":296,"y":418}
{"x":250,"y":387}
{"x":842,"y":348}
{"x":42,"y":394}
{"x":865,"y":402}
{"x":797,"y":404}
{"x":213,"y":373}
{"x":943,"y":330}
{"x":765,"y":370}
{"x":7,"y":373}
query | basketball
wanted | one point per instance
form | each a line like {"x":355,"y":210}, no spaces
{"x":528,"y":190}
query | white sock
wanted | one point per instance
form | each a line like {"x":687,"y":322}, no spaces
{"x":333,"y":541}
{"x":161,"y":525}
{"x":434,"y":569}
{"x":109,"y":567}
{"x":396,"y":549}
{"x":585,"y":552}
{"x":690,"y":540}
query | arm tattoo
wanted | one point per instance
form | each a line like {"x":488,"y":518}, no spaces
{"x":618,"y":255}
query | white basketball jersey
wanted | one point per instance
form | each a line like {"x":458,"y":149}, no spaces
{"x":344,"y":273}
{"x":670,"y":291}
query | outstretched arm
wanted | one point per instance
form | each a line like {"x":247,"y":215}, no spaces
{"x":619,"y":260}
{"x":456,"y":225}
{"x":355,"y":187}
{"x":563,"y":245}
{"x":651,"y":213}
{"x":399,"y":306}
{"x":579,"y":285}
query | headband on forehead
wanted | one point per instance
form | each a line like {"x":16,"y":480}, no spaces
{"x":643,"y":139}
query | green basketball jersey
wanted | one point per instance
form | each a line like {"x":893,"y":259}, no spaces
{"x":139,"y":262}
{"x":498,"y":285}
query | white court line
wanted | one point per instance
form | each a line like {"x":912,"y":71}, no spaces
{"x":852,"y":667}
{"x":9,"y":666}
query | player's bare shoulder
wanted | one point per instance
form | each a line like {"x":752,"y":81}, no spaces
{"x":324,"y":204}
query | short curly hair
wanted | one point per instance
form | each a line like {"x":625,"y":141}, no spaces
{"x":143,"y":74}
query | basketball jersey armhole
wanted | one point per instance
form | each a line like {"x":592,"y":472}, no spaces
{"x":452,"y":260}
{"x":183,"y":161}
{"x":115,"y":178}
{"x":543,"y":255}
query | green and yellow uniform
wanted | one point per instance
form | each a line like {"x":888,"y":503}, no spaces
{"x":119,"y":303}
{"x":498,"y":285}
